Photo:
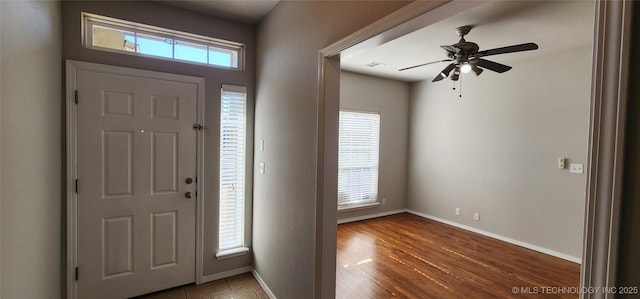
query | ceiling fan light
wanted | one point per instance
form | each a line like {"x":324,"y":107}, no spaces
{"x":465,"y":68}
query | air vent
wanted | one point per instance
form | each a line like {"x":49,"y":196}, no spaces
{"x":374,"y":64}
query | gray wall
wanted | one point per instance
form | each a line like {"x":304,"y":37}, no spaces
{"x":390,"y":98}
{"x":177,"y":19}
{"x":286,"y":118}
{"x":495,"y":150}
{"x":31,"y":138}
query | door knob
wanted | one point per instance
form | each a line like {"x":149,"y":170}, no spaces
{"x":188,"y":195}
{"x":188,"y":181}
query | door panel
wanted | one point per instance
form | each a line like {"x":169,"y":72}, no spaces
{"x":117,"y":173}
{"x":117,"y":252}
{"x":136,"y":146}
{"x":164,"y":157}
{"x":164,"y":239}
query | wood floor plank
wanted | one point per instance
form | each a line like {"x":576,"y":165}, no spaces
{"x":407,"y":256}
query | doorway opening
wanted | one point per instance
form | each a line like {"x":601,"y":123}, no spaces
{"x":601,"y":208}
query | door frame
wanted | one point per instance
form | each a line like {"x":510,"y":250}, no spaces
{"x":606,"y":133}
{"x":72,"y":67}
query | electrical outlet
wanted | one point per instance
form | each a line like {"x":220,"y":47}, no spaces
{"x":384,"y":201}
{"x":458,"y":211}
{"x":261,"y":167}
{"x":476,"y":216}
{"x":576,"y":168}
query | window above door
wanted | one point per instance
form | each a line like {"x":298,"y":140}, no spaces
{"x":115,"y":35}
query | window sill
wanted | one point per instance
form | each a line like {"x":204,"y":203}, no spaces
{"x":360,"y":206}
{"x":231,"y":253}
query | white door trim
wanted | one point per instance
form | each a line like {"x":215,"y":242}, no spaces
{"x":606,"y":144}
{"x":72,"y":67}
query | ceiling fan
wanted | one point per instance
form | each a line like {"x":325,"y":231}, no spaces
{"x":465,"y":57}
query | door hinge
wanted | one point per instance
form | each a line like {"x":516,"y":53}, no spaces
{"x":76,"y":185}
{"x":76,"y":97}
{"x":77,"y":273}
{"x":200,"y":127}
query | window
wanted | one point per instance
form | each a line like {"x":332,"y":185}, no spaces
{"x":358,"y":151}
{"x":233,"y":137}
{"x":109,"y":34}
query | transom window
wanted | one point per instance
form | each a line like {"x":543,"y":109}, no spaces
{"x":358,"y":152}
{"x":109,"y":34}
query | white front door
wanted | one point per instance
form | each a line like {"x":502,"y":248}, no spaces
{"x":136,"y":170}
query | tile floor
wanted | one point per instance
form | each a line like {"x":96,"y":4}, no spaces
{"x":243,"y":286}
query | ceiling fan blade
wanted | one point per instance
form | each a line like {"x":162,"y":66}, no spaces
{"x":451,"y":49}
{"x":444,"y":73}
{"x":419,"y":65}
{"x":509,"y":49}
{"x":494,"y":66}
{"x":438,"y":78}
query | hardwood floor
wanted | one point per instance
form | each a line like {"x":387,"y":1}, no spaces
{"x":407,"y":256}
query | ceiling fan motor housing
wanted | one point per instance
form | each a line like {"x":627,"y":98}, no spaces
{"x":463,"y":30}
{"x":464,"y":49}
{"x":467,"y":49}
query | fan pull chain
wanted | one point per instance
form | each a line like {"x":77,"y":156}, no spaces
{"x":460,"y":89}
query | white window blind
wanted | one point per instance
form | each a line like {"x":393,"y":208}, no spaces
{"x":358,"y":151}
{"x":233,"y":134}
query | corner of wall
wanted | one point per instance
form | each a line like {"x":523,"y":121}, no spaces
{"x":494,"y":150}
{"x":389,"y":98}
{"x":285,"y":200}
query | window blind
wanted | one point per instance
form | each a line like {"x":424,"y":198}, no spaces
{"x":233,"y":132}
{"x":358,"y":152}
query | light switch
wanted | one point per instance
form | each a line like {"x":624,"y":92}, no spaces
{"x":262,"y":145}
{"x":576,"y":168}
{"x":562,"y":163}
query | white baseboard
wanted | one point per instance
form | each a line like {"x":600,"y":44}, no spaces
{"x":263,"y":284}
{"x":370,"y":216}
{"x":501,"y":238}
{"x":221,"y":275}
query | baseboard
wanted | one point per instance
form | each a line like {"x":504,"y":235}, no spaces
{"x":225,"y":274}
{"x":263,"y":284}
{"x":370,"y":216}
{"x":500,"y":237}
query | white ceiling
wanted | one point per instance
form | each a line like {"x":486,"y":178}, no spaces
{"x":246,"y":11}
{"x":555,"y":26}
